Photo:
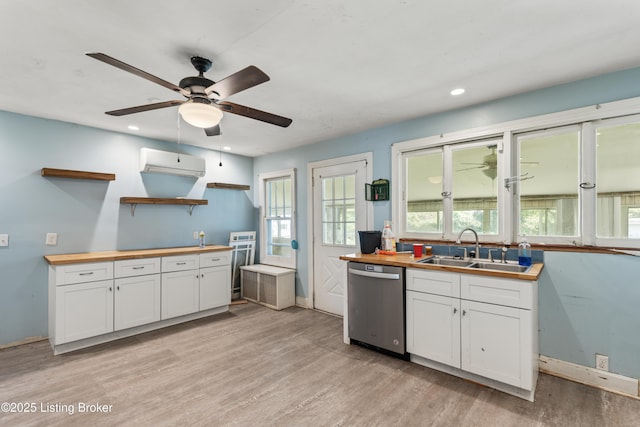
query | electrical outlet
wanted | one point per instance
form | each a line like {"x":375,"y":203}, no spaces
{"x":195,"y":235}
{"x":602,"y":362}
{"x":4,"y":240}
{"x":52,"y":239}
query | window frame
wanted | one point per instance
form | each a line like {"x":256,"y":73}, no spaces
{"x":265,"y":257}
{"x":588,"y":118}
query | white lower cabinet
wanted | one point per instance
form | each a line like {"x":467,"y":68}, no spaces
{"x":215,"y":279}
{"x":82,"y":310}
{"x":180,"y":293}
{"x":137,"y":301}
{"x":433,"y":327}
{"x":90,"y":303}
{"x":215,"y":290}
{"x":485,"y":326}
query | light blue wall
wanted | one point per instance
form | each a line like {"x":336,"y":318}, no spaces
{"x":581,"y":340}
{"x":87,"y":215}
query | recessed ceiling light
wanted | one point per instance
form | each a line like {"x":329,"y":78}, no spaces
{"x":458,"y":91}
{"x":226,"y":148}
{"x":133,"y":127}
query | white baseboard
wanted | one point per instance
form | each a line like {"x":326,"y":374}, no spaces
{"x":590,"y":376}
{"x":302,"y":302}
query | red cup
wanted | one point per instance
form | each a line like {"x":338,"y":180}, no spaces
{"x":417,"y":250}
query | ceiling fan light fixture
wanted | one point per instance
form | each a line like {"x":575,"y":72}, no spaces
{"x":200,"y":114}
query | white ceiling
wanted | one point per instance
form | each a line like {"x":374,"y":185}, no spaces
{"x":337,"y":67}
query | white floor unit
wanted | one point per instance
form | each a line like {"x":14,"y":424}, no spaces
{"x":271,"y":286}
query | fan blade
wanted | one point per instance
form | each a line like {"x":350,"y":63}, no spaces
{"x":252,"y":113}
{"x":473,"y":167}
{"x":213,"y":131}
{"x":141,"y":108}
{"x":138,"y":72}
{"x":243,"y":79}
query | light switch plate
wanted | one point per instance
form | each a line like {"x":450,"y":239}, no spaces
{"x":52,"y":239}
{"x":4,"y":240}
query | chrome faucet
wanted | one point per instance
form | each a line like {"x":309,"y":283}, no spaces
{"x":477,"y":255}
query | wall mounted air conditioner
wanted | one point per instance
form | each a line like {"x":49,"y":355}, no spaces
{"x":158,"y":161}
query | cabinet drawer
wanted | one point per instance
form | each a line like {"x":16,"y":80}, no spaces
{"x":433,"y":282}
{"x":136,"y":267}
{"x":81,"y":273}
{"x":510,"y":293}
{"x":214,"y":259}
{"x":179,"y":263}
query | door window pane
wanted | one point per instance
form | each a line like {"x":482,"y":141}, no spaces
{"x":423,"y":192}
{"x":549,"y":200}
{"x":618,"y":181}
{"x":338,"y":210}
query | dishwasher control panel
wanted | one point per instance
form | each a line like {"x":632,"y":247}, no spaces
{"x":372,"y":267}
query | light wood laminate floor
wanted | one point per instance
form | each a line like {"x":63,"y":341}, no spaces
{"x":257,"y":367}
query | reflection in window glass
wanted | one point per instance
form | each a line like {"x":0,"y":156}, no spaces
{"x":338,"y":210}
{"x":475,"y":188}
{"x":618,"y":181}
{"x":549,"y":201}
{"x":423,"y":192}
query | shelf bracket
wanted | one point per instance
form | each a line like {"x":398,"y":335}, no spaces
{"x":191,"y":209}
{"x":133,"y":209}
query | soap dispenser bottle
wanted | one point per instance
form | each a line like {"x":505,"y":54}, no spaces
{"x":524,"y":252}
{"x":388,"y":238}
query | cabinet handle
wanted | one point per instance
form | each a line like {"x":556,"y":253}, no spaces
{"x":138,"y":268}
{"x":110,"y":290}
{"x":86,"y":274}
{"x":455,"y":310}
{"x":118,"y":287}
{"x":180,"y":263}
{"x":215,"y":259}
{"x":464,"y":312}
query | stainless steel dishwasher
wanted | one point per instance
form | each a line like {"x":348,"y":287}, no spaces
{"x":376,"y":307}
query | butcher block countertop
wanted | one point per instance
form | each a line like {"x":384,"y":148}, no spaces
{"x":407,"y":260}
{"x":131,"y":254}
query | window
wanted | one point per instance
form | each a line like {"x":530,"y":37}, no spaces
{"x":548,"y":164}
{"x":618,"y":179}
{"x":277,"y":196}
{"x":566,"y":178}
{"x":424,"y":192}
{"x":475,"y":187}
{"x":452,"y":187}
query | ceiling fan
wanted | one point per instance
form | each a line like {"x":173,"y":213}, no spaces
{"x":489,"y":164}
{"x":203,"y":106}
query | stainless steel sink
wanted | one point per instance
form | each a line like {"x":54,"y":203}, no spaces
{"x":514,"y":268}
{"x":452,"y":262}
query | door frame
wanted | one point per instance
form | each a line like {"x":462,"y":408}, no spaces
{"x":366,"y":157}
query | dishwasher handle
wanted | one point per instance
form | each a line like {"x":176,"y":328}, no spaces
{"x":376,"y":275}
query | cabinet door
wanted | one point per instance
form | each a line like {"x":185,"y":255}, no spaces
{"x":83,"y":310}
{"x":215,"y":287}
{"x":137,"y":301}
{"x":180,"y":293}
{"x":433,"y":327}
{"x":496,"y":342}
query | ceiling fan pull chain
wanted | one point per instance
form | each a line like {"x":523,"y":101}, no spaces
{"x":179,"y":138}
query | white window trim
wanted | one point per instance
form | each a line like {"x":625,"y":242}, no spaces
{"x":264,"y":257}
{"x":507,"y":129}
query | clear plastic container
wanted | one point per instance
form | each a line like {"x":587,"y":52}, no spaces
{"x":524,"y":252}
{"x":388,"y":242}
